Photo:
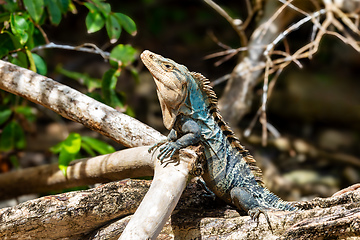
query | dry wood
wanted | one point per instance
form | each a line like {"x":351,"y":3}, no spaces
{"x":169,"y":184}
{"x":76,"y":106}
{"x":71,"y":215}
{"x":134,"y":162}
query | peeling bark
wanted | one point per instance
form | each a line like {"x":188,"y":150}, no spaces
{"x":71,"y":215}
{"x":335,"y":217}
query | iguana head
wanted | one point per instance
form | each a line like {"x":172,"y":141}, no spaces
{"x":171,"y":84}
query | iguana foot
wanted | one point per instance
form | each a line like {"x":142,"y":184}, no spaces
{"x":243,"y":199}
{"x":168,"y":150}
{"x":255,"y":214}
{"x":156,"y":145}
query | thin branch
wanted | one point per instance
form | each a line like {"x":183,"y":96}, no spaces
{"x":81,"y":48}
{"x":235,"y":23}
{"x":220,"y":80}
{"x":292,"y":28}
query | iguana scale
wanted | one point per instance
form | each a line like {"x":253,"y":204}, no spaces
{"x":189,"y":107}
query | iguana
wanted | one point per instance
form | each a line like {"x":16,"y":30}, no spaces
{"x":189,"y":108}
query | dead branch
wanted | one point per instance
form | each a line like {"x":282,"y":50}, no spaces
{"x":169,"y":181}
{"x":262,"y":55}
{"x":320,"y":218}
{"x":164,"y":193}
{"x":76,"y":106}
{"x":76,"y":214}
{"x":71,"y":215}
{"x":194,"y":217}
{"x":129,"y":163}
{"x":236,"y":99}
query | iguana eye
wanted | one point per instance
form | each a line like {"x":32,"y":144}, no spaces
{"x":168,"y":66}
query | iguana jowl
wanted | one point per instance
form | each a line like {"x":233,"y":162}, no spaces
{"x":189,"y":107}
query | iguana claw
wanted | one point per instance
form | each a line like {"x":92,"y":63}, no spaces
{"x":255,"y":214}
{"x":168,"y":150}
{"x":156,"y":145}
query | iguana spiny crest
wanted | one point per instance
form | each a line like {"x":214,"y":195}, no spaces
{"x":172,"y":82}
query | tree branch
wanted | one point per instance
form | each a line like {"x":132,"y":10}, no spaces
{"x":129,"y":163}
{"x":76,"y":106}
{"x":73,"y":214}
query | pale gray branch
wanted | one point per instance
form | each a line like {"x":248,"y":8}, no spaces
{"x":134,"y":162}
{"x":76,"y":106}
{"x":71,"y":215}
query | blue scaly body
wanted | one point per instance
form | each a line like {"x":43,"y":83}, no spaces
{"x":189,"y":107}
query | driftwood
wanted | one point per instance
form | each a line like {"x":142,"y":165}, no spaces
{"x":102,"y":213}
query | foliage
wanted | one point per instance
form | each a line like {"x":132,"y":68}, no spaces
{"x":21,"y":35}
{"x":69,"y":149}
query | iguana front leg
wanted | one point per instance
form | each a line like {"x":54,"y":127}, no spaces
{"x":189,"y":132}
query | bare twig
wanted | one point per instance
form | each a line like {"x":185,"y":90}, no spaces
{"x":81,"y":48}
{"x":235,"y":23}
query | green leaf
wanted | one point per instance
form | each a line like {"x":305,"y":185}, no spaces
{"x":4,"y":17}
{"x":83,"y":78}
{"x":35,"y":8}
{"x":12,"y":137}
{"x":19,"y":26}
{"x":40,"y":64}
{"x":127,"y":23}
{"x":113,"y":28}
{"x":20,"y":140}
{"x":122,"y":55}
{"x":99,"y":146}
{"x":31,"y":60}
{"x":15,"y":161}
{"x":105,"y":8}
{"x":68,"y":149}
{"x":72,"y":143}
{"x":21,"y":60}
{"x":18,"y":23}
{"x":11,"y":5}
{"x":27,"y":111}
{"x":7,"y":138}
{"x":110,"y":79}
{"x":57,"y":148}
{"x":63,"y":5}
{"x":87,"y":148}
{"x":5,"y":115}
{"x":6,"y":44}
{"x":64,"y":159}
{"x":94,"y":22}
{"x":54,"y":11}
{"x":30,"y":43}
{"x":92,"y":8}
{"x":109,"y":88}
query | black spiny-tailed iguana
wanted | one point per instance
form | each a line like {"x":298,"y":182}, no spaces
{"x":189,"y":107}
